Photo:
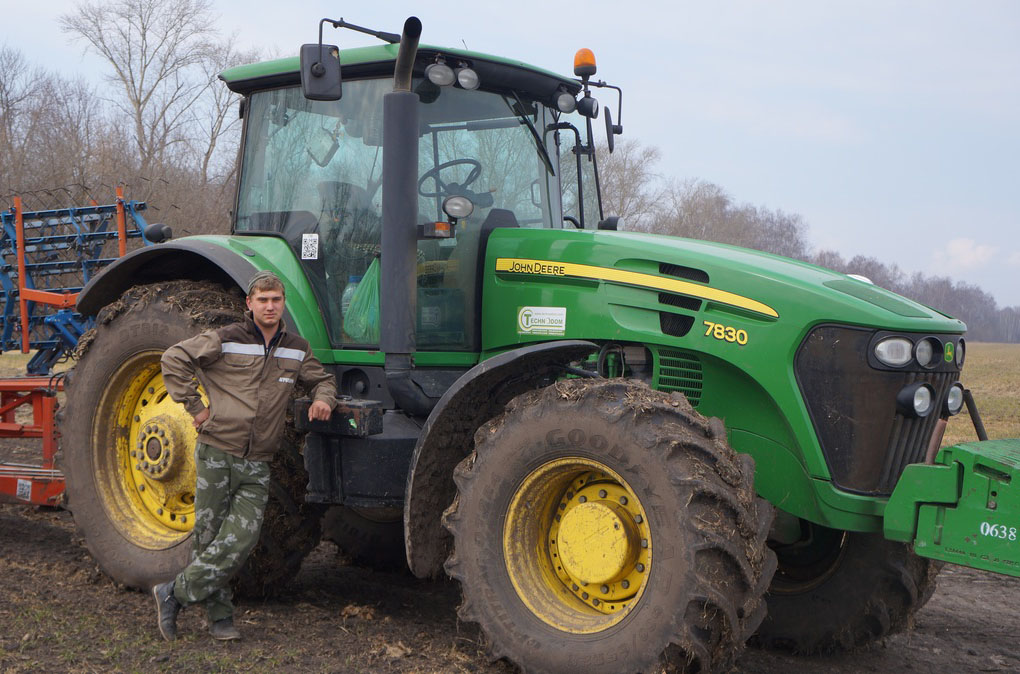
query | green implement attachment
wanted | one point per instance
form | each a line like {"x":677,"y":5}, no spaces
{"x":964,"y":509}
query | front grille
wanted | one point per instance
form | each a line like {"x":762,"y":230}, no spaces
{"x":865,"y":441}
{"x":908,"y":441}
{"x":679,"y":370}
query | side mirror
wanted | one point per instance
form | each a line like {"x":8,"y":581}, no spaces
{"x":612,"y":130}
{"x":157,"y":233}
{"x":320,"y":72}
{"x":612,"y":223}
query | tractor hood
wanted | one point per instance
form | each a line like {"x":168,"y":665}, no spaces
{"x":648,"y":270}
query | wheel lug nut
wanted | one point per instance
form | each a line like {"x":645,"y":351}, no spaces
{"x":644,"y":542}
{"x":604,"y":589}
{"x":162,"y":434}
{"x":584,"y":595}
{"x":134,"y":454}
{"x":640,"y":568}
{"x":583,"y":499}
{"x":623,"y":500}
{"x":137,"y":418}
{"x":603,"y":493}
{"x":152,"y":390}
{"x":159,"y":511}
{"x":184,"y":518}
{"x":141,"y":487}
{"x":595,"y":602}
{"x":639,"y":519}
{"x":625,"y":584}
{"x":138,"y":466}
{"x":574,"y":587}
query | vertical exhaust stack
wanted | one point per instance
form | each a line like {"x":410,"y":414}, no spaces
{"x":398,"y":265}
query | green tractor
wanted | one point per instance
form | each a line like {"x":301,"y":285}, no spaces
{"x":628,"y":449}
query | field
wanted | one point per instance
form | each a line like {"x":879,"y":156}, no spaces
{"x":59,"y":613}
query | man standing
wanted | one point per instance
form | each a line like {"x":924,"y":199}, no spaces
{"x":248,"y":370}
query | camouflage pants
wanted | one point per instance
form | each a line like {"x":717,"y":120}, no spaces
{"x":230,"y":500}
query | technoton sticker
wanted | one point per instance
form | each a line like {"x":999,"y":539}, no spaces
{"x":542,"y":321}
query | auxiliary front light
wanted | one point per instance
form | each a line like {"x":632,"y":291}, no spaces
{"x":916,"y":400}
{"x":440,"y":74}
{"x":467,"y":78}
{"x":954,"y":399}
{"x":894,"y":351}
{"x":458,"y":207}
{"x":566,"y":102}
{"x":960,"y":354}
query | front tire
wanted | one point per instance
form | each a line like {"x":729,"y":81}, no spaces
{"x":128,"y":449}
{"x":835,"y":591}
{"x":602,"y":526}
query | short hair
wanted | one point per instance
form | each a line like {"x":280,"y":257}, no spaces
{"x":265,"y":280}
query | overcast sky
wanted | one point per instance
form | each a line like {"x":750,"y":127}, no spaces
{"x":893,"y":128}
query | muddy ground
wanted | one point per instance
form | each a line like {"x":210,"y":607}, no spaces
{"x":59,"y":613}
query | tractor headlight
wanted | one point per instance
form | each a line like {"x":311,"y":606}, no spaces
{"x":916,"y":400}
{"x":927,"y":352}
{"x":954,"y":399}
{"x":959,"y":354}
{"x":894,"y":351}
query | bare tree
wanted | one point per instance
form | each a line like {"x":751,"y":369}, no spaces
{"x":153,"y":47}
{"x":631,"y":188}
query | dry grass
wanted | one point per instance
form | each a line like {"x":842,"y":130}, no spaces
{"x":992,"y":373}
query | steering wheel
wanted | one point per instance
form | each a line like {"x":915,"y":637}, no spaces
{"x":450,"y":188}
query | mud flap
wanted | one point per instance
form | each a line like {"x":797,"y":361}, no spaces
{"x":964,"y":509}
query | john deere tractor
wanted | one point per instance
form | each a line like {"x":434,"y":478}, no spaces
{"x":630,"y":450}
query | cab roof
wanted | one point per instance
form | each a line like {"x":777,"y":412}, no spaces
{"x":378,"y":60}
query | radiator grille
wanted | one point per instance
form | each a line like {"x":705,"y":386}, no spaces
{"x":678,"y":370}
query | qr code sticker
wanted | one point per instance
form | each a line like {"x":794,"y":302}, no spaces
{"x":24,"y":490}
{"x":310,"y":246}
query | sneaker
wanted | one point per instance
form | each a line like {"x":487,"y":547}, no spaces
{"x":167,"y":608}
{"x":224,"y":630}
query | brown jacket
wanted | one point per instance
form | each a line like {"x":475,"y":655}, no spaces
{"x":249,"y":384}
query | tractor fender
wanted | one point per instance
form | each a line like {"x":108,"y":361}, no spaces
{"x":447,"y":437}
{"x":194,"y":259}
{"x":189,"y":258}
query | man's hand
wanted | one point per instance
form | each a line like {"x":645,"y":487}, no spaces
{"x":319,"y":411}
{"x":201,"y":417}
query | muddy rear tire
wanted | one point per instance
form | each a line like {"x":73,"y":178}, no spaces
{"x":369,"y":537}
{"x":602,"y":526}
{"x":839,"y":590}
{"x":128,"y":450}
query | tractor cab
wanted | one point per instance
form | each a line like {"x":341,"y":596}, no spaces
{"x":499,"y":145}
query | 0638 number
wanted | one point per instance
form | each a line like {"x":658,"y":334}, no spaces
{"x":998,"y":531}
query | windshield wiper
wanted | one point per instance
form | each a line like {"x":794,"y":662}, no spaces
{"x":539,"y":144}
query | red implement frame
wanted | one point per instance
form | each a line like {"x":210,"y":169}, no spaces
{"x":19,"y":483}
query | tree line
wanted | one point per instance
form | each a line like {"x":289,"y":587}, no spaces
{"x":166,"y":129}
{"x":697,"y":209}
{"x":161,"y":125}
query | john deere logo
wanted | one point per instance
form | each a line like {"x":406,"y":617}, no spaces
{"x":949,"y":352}
{"x":542,"y":320}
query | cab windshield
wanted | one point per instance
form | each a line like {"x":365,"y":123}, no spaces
{"x":312,"y":171}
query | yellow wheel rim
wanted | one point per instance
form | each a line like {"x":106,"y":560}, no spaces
{"x":144,"y":446}
{"x":577,"y":545}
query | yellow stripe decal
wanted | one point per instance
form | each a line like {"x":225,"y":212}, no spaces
{"x":551,"y":268}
